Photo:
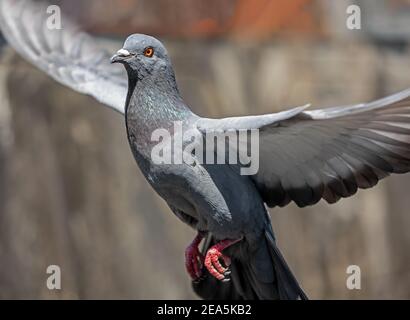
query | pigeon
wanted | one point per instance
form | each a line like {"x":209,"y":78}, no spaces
{"x":304,"y":156}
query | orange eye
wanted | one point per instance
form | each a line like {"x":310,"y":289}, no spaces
{"x":149,"y":52}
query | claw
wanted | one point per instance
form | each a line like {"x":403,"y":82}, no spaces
{"x":213,"y":257}
{"x":213,"y":265}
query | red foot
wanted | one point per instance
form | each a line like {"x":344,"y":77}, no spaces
{"x":194,"y":260}
{"x":213,"y":255}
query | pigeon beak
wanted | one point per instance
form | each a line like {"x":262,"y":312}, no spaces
{"x":121,"y":55}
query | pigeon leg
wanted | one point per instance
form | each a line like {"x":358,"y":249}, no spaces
{"x":213,"y":256}
{"x":194,"y":260}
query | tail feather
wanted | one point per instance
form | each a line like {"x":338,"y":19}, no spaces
{"x":262,"y":275}
{"x":288,"y":286}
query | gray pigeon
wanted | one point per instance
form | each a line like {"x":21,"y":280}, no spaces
{"x":304,"y":156}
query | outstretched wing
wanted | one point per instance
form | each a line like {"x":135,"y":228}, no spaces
{"x":328,"y":153}
{"x":69,"y":56}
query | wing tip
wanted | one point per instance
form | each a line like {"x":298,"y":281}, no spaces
{"x":340,"y":111}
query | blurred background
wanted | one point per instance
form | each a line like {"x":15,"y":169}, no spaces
{"x":72,"y":195}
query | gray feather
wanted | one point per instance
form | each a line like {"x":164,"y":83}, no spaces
{"x":69,"y":56}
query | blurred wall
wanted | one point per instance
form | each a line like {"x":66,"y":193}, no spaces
{"x":72,"y":195}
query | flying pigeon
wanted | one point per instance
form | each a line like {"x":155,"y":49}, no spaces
{"x":304,"y":156}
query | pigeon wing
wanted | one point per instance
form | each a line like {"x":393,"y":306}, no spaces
{"x":306,"y":156}
{"x":68,"y":55}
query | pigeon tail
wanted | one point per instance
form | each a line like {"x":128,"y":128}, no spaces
{"x":288,"y":286}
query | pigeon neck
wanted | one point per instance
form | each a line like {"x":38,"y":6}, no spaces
{"x":152,"y":104}
{"x":155,"y":99}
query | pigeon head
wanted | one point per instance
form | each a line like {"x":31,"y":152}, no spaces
{"x":143,"y":56}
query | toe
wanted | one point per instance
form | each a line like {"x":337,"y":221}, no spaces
{"x":213,"y":265}
{"x":217,"y":265}
{"x":193,"y":263}
{"x":215,"y":273}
